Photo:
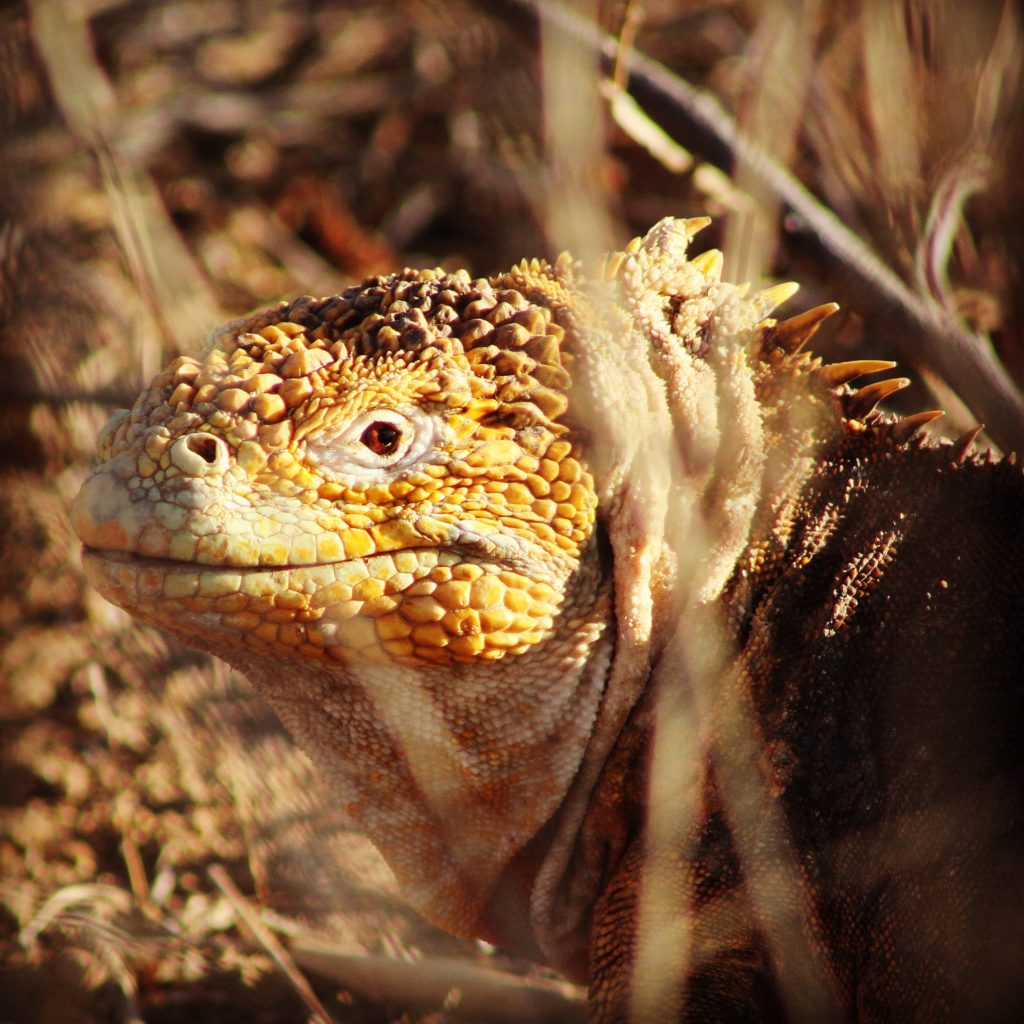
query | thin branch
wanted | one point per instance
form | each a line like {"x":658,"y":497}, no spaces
{"x":251,"y":919}
{"x":466,"y":990}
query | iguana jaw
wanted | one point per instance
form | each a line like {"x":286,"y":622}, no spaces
{"x":451,"y":793}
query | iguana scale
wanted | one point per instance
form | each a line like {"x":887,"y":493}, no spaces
{"x":636,"y":639}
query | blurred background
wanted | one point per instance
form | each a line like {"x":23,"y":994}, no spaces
{"x":170,"y":165}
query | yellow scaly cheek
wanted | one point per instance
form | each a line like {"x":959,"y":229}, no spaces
{"x":464,"y":612}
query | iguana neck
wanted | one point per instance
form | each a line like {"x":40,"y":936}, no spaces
{"x":453,"y":771}
{"x":795,"y":421}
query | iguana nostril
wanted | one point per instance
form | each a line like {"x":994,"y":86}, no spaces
{"x":203,"y":445}
{"x":200,"y":454}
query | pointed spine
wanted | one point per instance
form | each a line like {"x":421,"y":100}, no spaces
{"x":867,"y":397}
{"x":693,"y":225}
{"x":962,"y":446}
{"x":792,"y":334}
{"x":608,"y":265}
{"x":768,"y":298}
{"x":835,"y":375}
{"x":709,"y":264}
{"x":910,"y":426}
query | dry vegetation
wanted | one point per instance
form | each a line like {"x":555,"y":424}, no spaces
{"x":169,"y":164}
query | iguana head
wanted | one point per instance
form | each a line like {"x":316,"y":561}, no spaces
{"x":385,"y":474}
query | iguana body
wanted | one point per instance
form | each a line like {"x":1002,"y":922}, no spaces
{"x":474,"y":539}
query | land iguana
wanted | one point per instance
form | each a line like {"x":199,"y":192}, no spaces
{"x":638,"y":640}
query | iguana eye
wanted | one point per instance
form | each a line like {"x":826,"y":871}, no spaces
{"x":376,"y":443}
{"x":381,"y":437}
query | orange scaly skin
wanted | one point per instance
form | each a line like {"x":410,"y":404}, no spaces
{"x":472,"y":539}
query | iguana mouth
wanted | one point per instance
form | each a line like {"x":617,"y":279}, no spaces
{"x":470,"y":550}
{"x":416,"y":607}
{"x":175,"y":564}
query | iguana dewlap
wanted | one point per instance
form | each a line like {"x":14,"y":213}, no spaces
{"x":474,"y":539}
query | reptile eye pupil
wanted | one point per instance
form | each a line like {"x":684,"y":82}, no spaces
{"x":381,"y":438}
